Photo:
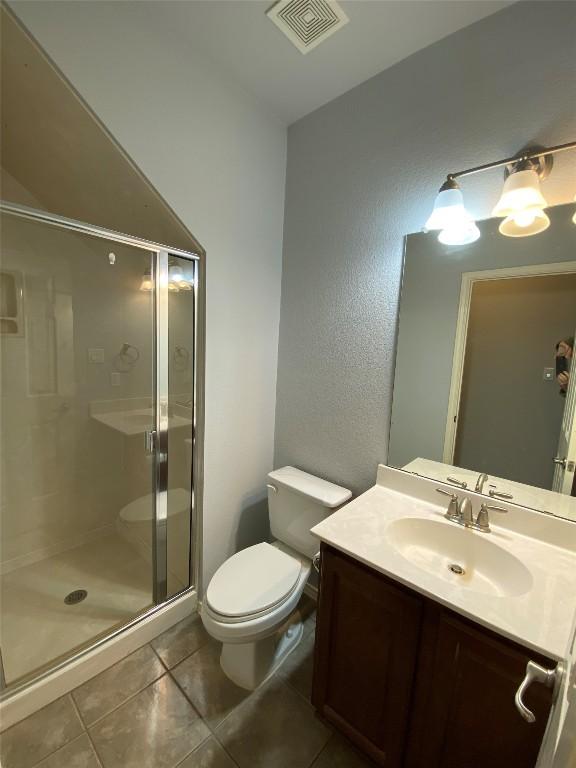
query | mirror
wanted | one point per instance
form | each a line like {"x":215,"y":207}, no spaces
{"x":483,"y":391}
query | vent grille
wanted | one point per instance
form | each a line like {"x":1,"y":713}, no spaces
{"x":307,"y":23}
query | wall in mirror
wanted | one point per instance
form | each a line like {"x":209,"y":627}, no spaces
{"x":483,"y":391}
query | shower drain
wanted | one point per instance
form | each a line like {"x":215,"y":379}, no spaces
{"x":76,"y":597}
{"x":457,"y":569}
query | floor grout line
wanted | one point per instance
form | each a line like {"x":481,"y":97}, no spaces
{"x":53,"y":752}
{"x":126,"y":700}
{"x":225,"y":750}
{"x":77,"y":710}
{"x":98,"y":756}
{"x":183,"y":692}
{"x":160,"y":659}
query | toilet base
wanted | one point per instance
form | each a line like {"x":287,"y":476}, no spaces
{"x":250,"y":664}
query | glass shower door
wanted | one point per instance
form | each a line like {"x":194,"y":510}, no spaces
{"x":77,"y":477}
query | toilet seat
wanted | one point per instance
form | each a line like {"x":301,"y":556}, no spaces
{"x":253,"y":583}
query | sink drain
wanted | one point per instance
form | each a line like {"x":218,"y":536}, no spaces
{"x":76,"y":597}
{"x":457,"y":569}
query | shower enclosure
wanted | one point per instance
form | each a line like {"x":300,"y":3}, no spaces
{"x":100,"y":429}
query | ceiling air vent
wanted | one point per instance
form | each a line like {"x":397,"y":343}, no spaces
{"x":306,"y":23}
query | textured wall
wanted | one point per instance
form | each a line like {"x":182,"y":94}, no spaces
{"x":363,"y":172}
{"x":219,"y":162}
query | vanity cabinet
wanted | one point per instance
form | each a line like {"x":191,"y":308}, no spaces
{"x":415,"y":685}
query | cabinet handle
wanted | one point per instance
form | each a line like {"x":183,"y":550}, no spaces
{"x":535,"y":674}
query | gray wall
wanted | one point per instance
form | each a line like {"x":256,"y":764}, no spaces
{"x":510,"y":416}
{"x":427,"y":322}
{"x":219,"y":161}
{"x":362,"y":172}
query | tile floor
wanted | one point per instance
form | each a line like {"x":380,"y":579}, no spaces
{"x":168,"y":704}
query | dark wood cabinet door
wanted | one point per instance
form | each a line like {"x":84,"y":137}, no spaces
{"x":464,"y":714}
{"x":367,"y":639}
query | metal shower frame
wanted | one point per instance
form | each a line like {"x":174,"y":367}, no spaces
{"x":160,"y":255}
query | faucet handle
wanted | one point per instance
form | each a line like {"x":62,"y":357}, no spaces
{"x":455,"y":481}
{"x":483,"y":520}
{"x":446,"y":493}
{"x":493,"y":507}
{"x":453,"y":511}
{"x":494,"y":494}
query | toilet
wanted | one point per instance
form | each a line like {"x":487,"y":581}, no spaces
{"x":250,"y":600}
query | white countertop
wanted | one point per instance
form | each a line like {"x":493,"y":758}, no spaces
{"x":541,"y":619}
{"x":527,"y":495}
{"x":137,"y":422}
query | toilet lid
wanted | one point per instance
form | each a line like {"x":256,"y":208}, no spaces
{"x":253,"y":580}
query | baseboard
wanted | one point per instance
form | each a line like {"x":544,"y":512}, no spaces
{"x":311,"y":592}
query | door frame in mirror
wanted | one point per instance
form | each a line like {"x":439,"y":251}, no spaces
{"x":467,"y":285}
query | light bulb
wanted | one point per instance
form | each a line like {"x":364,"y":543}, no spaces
{"x":461,"y":234}
{"x":147,"y":283}
{"x":524,"y":223}
{"x":524,"y":218}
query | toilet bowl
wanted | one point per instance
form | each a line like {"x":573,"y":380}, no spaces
{"x":250,"y":603}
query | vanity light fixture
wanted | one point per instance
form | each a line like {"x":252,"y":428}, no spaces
{"x":147,"y":283}
{"x":521,"y":204}
{"x":449,"y":215}
{"x":177,"y":280}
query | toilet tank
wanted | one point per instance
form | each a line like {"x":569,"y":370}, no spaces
{"x":297,"y":502}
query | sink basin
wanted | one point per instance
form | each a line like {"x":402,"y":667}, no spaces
{"x":459,"y":555}
{"x":139,"y":417}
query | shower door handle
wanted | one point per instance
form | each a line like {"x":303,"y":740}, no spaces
{"x":150,"y":441}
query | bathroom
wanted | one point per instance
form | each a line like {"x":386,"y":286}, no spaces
{"x":228,"y":317}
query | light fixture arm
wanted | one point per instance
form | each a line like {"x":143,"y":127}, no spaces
{"x":522,"y":157}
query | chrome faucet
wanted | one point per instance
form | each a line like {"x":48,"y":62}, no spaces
{"x":466,"y":513}
{"x":461,"y":511}
{"x":480,"y":482}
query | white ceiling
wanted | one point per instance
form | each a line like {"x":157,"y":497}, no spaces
{"x":238,"y":36}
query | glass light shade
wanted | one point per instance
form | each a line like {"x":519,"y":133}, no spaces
{"x":448,"y":209}
{"x":460,"y":234}
{"x":147,"y":283}
{"x":175,"y":274}
{"x":521,"y":190}
{"x":523,"y":223}
{"x":574,"y":217}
